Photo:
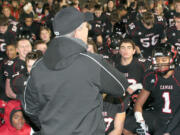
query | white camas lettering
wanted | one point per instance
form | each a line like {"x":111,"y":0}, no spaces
{"x":166,"y":87}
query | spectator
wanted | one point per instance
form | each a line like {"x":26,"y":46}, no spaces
{"x":28,"y":29}
{"x":7,"y":13}
{"x":15,"y":123}
{"x":47,"y":18}
{"x":11,"y":54}
{"x":45,"y":35}
{"x":15,"y":11}
{"x":19,"y":82}
{"x":17,"y":66}
{"x":11,"y":51}
{"x":39,"y":10}
{"x":40,"y":45}
{"x":27,"y":11}
{"x":7,"y":35}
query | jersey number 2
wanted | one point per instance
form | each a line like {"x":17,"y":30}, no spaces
{"x":166,"y":97}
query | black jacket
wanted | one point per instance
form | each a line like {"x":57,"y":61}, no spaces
{"x":63,"y":92}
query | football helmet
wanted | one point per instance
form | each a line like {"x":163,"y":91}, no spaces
{"x":164,"y":50}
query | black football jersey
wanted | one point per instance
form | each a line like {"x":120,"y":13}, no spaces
{"x":170,"y":18}
{"x":15,"y":67}
{"x":165,"y":93}
{"x":18,"y":83}
{"x":173,"y":36}
{"x":97,"y":26}
{"x":145,"y":38}
{"x":134,"y":73}
{"x":28,"y":32}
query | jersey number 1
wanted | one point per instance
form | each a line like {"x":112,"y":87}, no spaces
{"x":166,"y":97}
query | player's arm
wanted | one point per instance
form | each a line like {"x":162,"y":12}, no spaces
{"x":8,"y":90}
{"x":118,"y":124}
{"x":142,"y":127}
{"x":138,"y":108}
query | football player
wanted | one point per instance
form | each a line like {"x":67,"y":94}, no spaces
{"x":163,"y":83}
{"x":133,"y":68}
{"x":173,"y":32}
{"x":7,"y":35}
{"x":17,"y":66}
{"x":146,"y":33}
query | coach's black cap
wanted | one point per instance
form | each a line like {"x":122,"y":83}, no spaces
{"x":68,"y":19}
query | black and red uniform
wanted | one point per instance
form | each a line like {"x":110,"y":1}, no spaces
{"x":146,"y":39}
{"x":165,"y":93}
{"x":173,"y":36}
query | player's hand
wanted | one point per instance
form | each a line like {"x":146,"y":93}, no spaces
{"x":115,"y":132}
{"x":142,"y":128}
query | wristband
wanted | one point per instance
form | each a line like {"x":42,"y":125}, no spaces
{"x":138,"y":116}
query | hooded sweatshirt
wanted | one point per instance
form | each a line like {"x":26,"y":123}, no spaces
{"x":7,"y":128}
{"x":63,"y":92}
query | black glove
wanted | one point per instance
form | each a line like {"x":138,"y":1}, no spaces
{"x":142,"y":129}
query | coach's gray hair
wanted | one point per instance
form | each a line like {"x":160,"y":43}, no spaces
{"x":72,"y":34}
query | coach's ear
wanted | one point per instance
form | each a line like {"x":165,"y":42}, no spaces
{"x":104,"y":95}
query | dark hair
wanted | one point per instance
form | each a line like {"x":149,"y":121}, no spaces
{"x":114,"y":17}
{"x":109,"y":1}
{"x":34,"y":55}
{"x":36,"y":43}
{"x":176,"y":1}
{"x":3,"y":20}
{"x":98,"y":7}
{"x":141,"y":5}
{"x":28,"y":16}
{"x":127,"y":40}
{"x":14,"y":45}
{"x":148,"y":18}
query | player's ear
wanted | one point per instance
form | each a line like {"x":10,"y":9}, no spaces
{"x":134,"y":51}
